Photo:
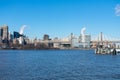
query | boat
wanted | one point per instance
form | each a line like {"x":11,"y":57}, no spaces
{"x":101,"y":49}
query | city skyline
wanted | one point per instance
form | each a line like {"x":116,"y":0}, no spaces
{"x":59,"y":18}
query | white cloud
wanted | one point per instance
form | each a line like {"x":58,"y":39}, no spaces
{"x":117,"y":10}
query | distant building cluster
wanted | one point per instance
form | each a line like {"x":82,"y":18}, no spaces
{"x":19,"y":40}
{"x":8,"y":39}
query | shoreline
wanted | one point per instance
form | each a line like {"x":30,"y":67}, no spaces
{"x":44,"y":49}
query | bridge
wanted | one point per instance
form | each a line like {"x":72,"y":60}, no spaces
{"x":102,"y":40}
{"x":105,"y":41}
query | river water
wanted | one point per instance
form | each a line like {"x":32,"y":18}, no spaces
{"x":58,"y":65}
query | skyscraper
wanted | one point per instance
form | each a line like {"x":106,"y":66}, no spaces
{"x":4,"y":34}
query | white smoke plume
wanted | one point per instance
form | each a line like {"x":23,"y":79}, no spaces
{"x":83,"y":34}
{"x":22,"y":29}
{"x":117,"y":10}
{"x":83,"y":30}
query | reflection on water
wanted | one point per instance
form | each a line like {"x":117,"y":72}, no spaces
{"x":58,"y":65}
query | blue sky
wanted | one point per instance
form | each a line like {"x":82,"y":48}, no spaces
{"x":59,"y":18}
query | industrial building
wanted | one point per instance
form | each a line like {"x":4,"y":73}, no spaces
{"x":83,"y":41}
{"x":86,"y":43}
